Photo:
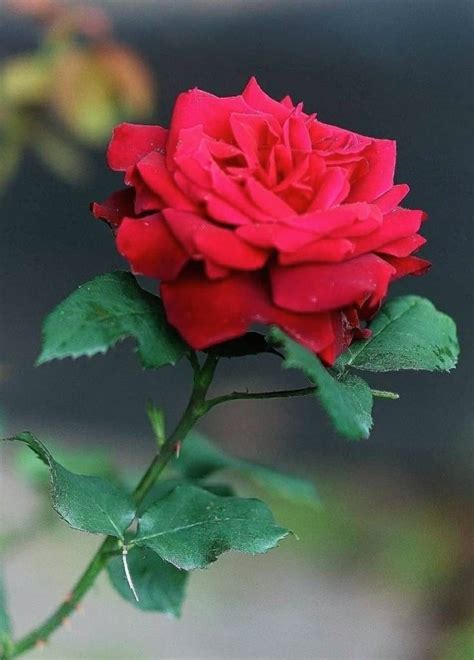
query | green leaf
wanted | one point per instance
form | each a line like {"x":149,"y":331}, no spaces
{"x":407,"y":333}
{"x":164,"y":486}
{"x":199,"y":458}
{"x":102,"y":312}
{"x":347,"y":401}
{"x":191,"y":527}
{"x":90,"y":504}
{"x":160,"y":586}
{"x":251,"y":343}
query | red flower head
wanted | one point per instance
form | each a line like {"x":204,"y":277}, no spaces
{"x":251,"y":211}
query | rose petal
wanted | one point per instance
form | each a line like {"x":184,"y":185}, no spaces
{"x":222,"y":246}
{"x":362,"y":227}
{"x":403,"y":247}
{"x":267,"y":201}
{"x":392,"y":198}
{"x":327,"y":222}
{"x":150,"y":248}
{"x":407,"y":266}
{"x":331,"y":191}
{"x":273,"y":235}
{"x":259,"y":100}
{"x":337,"y":144}
{"x":131,"y":142}
{"x":397,"y":224}
{"x":325,"y":287}
{"x":345,"y":325}
{"x":195,"y":108}
{"x":324,"y":249}
{"x":193,"y":158}
{"x":118,"y":205}
{"x":294,"y":176}
{"x":252,"y":133}
{"x":287,"y":102}
{"x":214,"y":271}
{"x":207,"y":313}
{"x":297,"y":136}
{"x":156,"y":176}
{"x":232,"y":193}
{"x":380,"y":157}
{"x":218,"y":209}
{"x":145,"y":199}
{"x":226,"y":249}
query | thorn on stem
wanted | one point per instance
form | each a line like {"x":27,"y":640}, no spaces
{"x":67,"y":623}
{"x":40,"y":644}
{"x":177,"y":448}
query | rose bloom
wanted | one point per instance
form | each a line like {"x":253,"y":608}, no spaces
{"x":248,"y":210}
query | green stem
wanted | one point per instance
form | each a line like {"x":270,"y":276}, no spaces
{"x":277,"y":394}
{"x":39,"y":636}
{"x":281,"y":394}
{"x":195,"y":409}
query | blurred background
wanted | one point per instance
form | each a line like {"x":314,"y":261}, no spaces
{"x":383,"y":569}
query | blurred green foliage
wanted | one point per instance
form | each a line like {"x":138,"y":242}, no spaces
{"x":67,"y":95}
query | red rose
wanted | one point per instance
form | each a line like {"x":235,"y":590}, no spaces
{"x":251,"y":211}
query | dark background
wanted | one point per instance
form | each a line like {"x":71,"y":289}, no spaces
{"x":390,"y":69}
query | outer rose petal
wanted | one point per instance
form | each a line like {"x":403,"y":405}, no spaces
{"x":150,"y":248}
{"x":407,"y":266}
{"x":391,"y":199}
{"x":146,"y":200}
{"x":206,"y":313}
{"x":115,"y":207}
{"x":397,"y":224}
{"x":366,"y":226}
{"x":326,"y":287}
{"x":346,"y":326}
{"x":403,"y":247}
{"x":381,"y":156}
{"x":131,"y":142}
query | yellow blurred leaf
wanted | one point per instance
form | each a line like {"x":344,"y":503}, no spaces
{"x":25,"y":80}
{"x":96,"y":89}
{"x":131,"y":80}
